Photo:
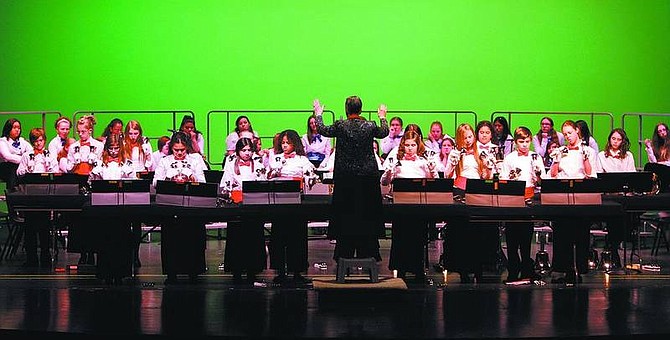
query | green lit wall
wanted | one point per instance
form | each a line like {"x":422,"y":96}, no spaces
{"x":479,"y":55}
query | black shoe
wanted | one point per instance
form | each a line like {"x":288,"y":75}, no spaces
{"x":401,"y":274}
{"x":297,"y":278}
{"x":465,"y":278}
{"x":137,"y":263}
{"x":83,"y":258}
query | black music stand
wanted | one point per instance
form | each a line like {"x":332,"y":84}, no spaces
{"x":571,"y":191}
{"x":213,"y":176}
{"x":189,"y":194}
{"x":495,"y":193}
{"x":271,"y":192}
{"x":627,"y":183}
{"x":120,"y":192}
{"x":423,"y":191}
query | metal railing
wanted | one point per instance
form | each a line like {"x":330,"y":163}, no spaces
{"x":593,"y":127}
{"x":267,"y":120}
{"x":429,"y":116}
{"x":43,"y":117}
{"x":642,"y":118}
{"x":130,"y":113}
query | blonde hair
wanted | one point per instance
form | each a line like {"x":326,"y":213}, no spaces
{"x":461,"y":145}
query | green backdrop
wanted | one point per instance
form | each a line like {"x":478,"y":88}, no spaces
{"x":478,"y":55}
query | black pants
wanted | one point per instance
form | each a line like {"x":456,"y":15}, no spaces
{"x":288,"y":246}
{"x":519,"y":263}
{"x":8,"y":174}
{"x":245,"y":247}
{"x":407,"y":245}
{"x":470,"y":246}
{"x":183,"y":247}
{"x":571,"y":245}
{"x":37,"y":227}
{"x":115,"y":249}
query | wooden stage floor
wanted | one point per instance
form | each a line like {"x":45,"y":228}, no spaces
{"x":61,"y":303}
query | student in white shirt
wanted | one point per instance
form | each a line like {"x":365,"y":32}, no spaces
{"x":488,"y":151}
{"x":502,"y":136}
{"x":616,"y":156}
{"x":409,"y":234}
{"x":435,"y":136}
{"x":162,"y":150}
{"x":242,"y":123}
{"x":245,"y":240}
{"x":521,"y":165}
{"x":573,"y":161}
{"x":116,"y":241}
{"x":465,"y":163}
{"x":288,"y":241}
{"x":12,"y":147}
{"x":62,"y":125}
{"x":37,"y":160}
{"x":317,"y":147}
{"x":393,"y":139}
{"x":183,"y":239}
{"x":136,"y":147}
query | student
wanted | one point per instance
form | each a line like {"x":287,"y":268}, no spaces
{"x":488,"y":151}
{"x":82,"y":156}
{"x":409,"y":234}
{"x":465,"y":163}
{"x":392,"y":156}
{"x":616,"y":156}
{"x":393,"y":139}
{"x":38,"y":160}
{"x":288,"y":241}
{"x":317,"y":147}
{"x":574,"y":161}
{"x":113,"y":164}
{"x":447,"y":145}
{"x":548,"y":161}
{"x":183,"y":240}
{"x":658,"y":148}
{"x":197,"y":143}
{"x":245,"y":240}
{"x":586,"y":135}
{"x":502,"y":136}
{"x":658,"y":154}
{"x":12,"y":147}
{"x":162,"y":150}
{"x":85,"y":153}
{"x":545,"y":136}
{"x":114,"y":127}
{"x":136,"y":147}
{"x":62,"y":125}
{"x":114,"y":236}
{"x":242,"y":123}
{"x":521,"y":165}
{"x":435,"y":136}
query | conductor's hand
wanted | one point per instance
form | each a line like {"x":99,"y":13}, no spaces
{"x":381,"y":112}
{"x":318,"y":108}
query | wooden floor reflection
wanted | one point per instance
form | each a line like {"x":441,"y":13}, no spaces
{"x":68,"y":304}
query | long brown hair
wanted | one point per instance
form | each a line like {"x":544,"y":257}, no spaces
{"x":625,"y":144}
{"x":460,"y":145}
{"x":415,"y":136}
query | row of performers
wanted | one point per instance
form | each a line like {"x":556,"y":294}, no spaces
{"x":288,"y":250}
